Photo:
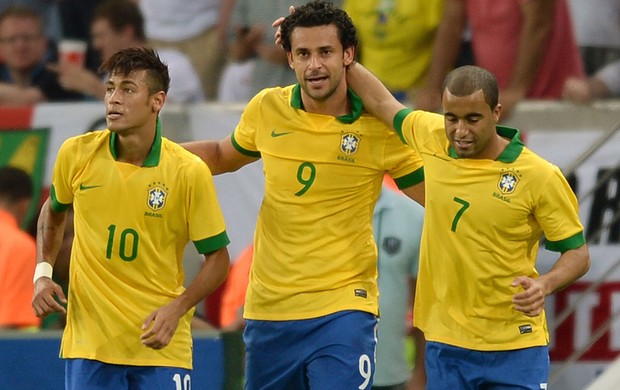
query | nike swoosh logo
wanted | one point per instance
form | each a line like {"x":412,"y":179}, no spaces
{"x":274,"y":134}
{"x":83,"y":187}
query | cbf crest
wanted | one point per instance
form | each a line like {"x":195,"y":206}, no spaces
{"x":157,"y":195}
{"x":349,"y":143}
{"x":508,"y":181}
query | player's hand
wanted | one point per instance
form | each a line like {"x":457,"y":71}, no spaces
{"x":160,"y":325}
{"x":531,"y":301}
{"x":276,"y":24}
{"x":576,"y":90}
{"x":44,"y":298}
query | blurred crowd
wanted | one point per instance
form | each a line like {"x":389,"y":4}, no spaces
{"x":222,"y":50}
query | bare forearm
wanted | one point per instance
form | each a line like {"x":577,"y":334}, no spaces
{"x":15,"y":95}
{"x":447,"y":44}
{"x":220,"y":156}
{"x":376,"y":97}
{"x":50,"y":231}
{"x":211,"y":276}
{"x":535,"y":32}
{"x":571,"y":265}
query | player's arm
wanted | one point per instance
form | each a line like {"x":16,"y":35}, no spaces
{"x":376,"y":97}
{"x":50,"y":230}
{"x":221,"y":156}
{"x":416,"y":193}
{"x":159,"y":326}
{"x":571,"y":265}
{"x":446,"y":49}
{"x":418,"y":374}
{"x":536,"y":29}
{"x":15,"y":95}
{"x":417,"y":381}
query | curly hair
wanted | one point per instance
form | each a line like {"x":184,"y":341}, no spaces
{"x":319,"y":13}
{"x":140,"y":58}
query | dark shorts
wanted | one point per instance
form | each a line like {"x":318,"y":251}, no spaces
{"x":333,"y":352}
{"x":450,"y":368}
{"x":83,"y":374}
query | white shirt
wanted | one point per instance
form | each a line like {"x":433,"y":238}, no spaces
{"x":177,"y":20}
{"x":185,"y":85}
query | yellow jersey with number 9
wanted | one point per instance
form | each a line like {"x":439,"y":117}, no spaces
{"x":314,"y":252}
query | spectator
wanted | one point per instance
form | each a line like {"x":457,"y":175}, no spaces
{"x":253,"y":42}
{"x":194,"y":27}
{"x":597,"y":31}
{"x":528,"y":45}
{"x":233,"y":296}
{"x":396,"y":40}
{"x":603,"y":84}
{"x":118,"y":25}
{"x":23,"y":49}
{"x":47,"y":9}
{"x":138,"y":199}
{"x":397,"y":227}
{"x":17,"y":251}
{"x":75,"y":19}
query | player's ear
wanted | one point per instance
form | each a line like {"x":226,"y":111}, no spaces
{"x":289,"y":57}
{"x":157,"y":100}
{"x":349,"y":55}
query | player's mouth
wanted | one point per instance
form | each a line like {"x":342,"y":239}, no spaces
{"x":114,"y":114}
{"x":463,"y":144}
{"x":316,"y":80}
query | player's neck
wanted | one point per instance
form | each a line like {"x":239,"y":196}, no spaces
{"x":335,"y":105}
{"x":134,"y":147}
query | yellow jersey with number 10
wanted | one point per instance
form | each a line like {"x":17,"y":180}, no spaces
{"x":131,"y":227}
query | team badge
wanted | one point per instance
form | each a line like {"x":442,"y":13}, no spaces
{"x":349,"y":143}
{"x":507,"y":182}
{"x":157,"y":195}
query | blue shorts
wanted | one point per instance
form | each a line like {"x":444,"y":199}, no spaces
{"x":88,"y":374}
{"x":336,"y":352}
{"x":449,"y":368}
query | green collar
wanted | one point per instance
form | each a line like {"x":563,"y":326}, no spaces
{"x":153,"y":158}
{"x":512,"y":151}
{"x":356,"y":105}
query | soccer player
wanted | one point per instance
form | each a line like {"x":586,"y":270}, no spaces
{"x":138,"y":199}
{"x":313,"y":280}
{"x":479,"y":299}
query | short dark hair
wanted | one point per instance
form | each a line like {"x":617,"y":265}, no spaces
{"x":15,"y":184}
{"x":468,"y":79}
{"x":319,"y":13}
{"x":22,"y":11}
{"x":139,"y":58}
{"x":120,"y":14}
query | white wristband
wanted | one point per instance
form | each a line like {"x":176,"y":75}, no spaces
{"x":43,"y":270}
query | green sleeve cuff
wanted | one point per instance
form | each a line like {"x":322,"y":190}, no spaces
{"x":212,"y":244}
{"x":411,"y":179}
{"x":56,"y":205}
{"x":572,"y":242}
{"x":399,"y":118}
{"x":241,"y":150}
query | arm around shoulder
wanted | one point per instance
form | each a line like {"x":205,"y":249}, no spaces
{"x":221,"y":156}
{"x":376,"y":97}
